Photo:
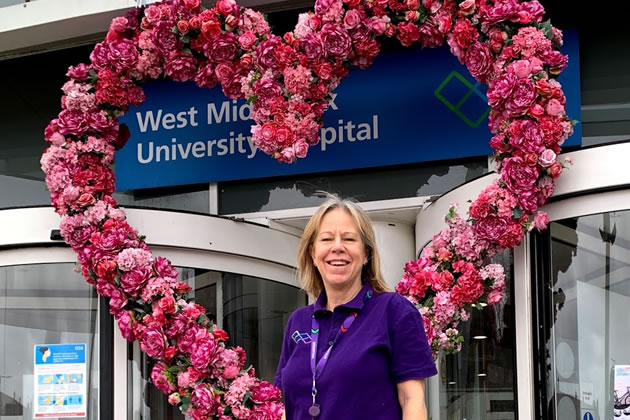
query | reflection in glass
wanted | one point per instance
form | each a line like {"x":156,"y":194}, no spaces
{"x":364,"y":185}
{"x":43,"y":304}
{"x":479,"y":381}
{"x":195,"y":198}
{"x":252,"y":310}
{"x":589,"y":333}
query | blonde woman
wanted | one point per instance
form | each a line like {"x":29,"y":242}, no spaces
{"x":360,"y":351}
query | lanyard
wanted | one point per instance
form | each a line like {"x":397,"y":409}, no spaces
{"x":318,"y":367}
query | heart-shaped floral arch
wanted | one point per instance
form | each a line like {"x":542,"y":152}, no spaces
{"x":289,"y":81}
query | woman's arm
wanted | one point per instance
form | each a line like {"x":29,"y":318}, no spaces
{"x":411,"y":399}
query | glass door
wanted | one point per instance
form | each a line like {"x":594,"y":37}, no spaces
{"x":581,"y":280}
{"x":49,"y":345}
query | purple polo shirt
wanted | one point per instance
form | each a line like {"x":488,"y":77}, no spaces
{"x":385,"y":345}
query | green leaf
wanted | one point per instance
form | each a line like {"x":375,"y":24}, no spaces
{"x":92,"y":74}
{"x":547,"y":29}
{"x":247,"y":397}
{"x":185,"y":404}
{"x":517,"y":213}
{"x":117,"y":280}
{"x":226,"y":412}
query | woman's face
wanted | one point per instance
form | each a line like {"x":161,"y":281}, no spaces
{"x":338,"y":251}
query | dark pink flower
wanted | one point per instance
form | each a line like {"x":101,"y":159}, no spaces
{"x":265,"y":392}
{"x":518,"y":176}
{"x":491,"y":228}
{"x":222,"y":49}
{"x":181,"y":67}
{"x":266,"y":53}
{"x":78,"y":72}
{"x":164,"y":39}
{"x":72,"y":122}
{"x":247,"y":40}
{"x":408,"y":33}
{"x":125,"y":325}
{"x":312,"y":46}
{"x":203,"y":400}
{"x":501,"y":88}
{"x":153,"y":342}
{"x":162,"y":379}
{"x":122,"y":54}
{"x":479,"y":60}
{"x":132,"y":282}
{"x":336,"y":42}
{"x":203,"y":352}
{"x":522,"y":97}
{"x":205,"y":77}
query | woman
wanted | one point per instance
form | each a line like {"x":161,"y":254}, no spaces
{"x":359,"y":352}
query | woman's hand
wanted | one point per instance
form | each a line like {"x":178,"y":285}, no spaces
{"x":411,"y":399}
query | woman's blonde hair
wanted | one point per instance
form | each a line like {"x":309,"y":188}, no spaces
{"x":310,"y":277}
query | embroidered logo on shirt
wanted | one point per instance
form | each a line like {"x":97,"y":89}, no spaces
{"x":301,"y":337}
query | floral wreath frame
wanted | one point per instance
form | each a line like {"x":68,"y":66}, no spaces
{"x":289,"y":80}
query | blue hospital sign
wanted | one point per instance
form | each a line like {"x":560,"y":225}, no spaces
{"x":410,"y":106}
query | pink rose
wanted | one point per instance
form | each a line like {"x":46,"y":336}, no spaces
{"x":301,"y":149}
{"x":231,"y":372}
{"x":521,"y":68}
{"x":192,"y":4}
{"x":547,"y":158}
{"x":554,"y":108}
{"x":247,"y":40}
{"x":352,"y":19}
{"x":226,"y":7}
{"x":336,"y":42}
{"x":167,"y":305}
{"x":174,"y":398}
{"x":555,"y":169}
{"x":153,"y":14}
{"x":378,"y":25}
{"x":467,"y":7}
{"x":183,"y":27}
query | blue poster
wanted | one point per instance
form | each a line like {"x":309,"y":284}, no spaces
{"x":60,"y":380}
